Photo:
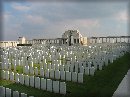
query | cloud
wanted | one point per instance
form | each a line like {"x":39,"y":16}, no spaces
{"x":51,"y":19}
{"x":7,"y":16}
{"x":20,"y":7}
{"x":122,"y":16}
{"x":35,"y":19}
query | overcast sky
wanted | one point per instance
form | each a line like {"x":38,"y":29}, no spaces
{"x":51,"y":19}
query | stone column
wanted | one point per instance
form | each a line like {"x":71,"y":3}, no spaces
{"x":102,"y":40}
{"x":109,"y":40}
{"x":116,"y":40}
{"x":128,"y":40}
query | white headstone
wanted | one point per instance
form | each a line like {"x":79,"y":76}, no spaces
{"x":68,"y":76}
{"x":62,"y":75}
{"x":74,"y":76}
{"x":23,"y":95}
{"x":56,"y":86}
{"x":36,"y":71}
{"x":62,"y":88}
{"x":61,"y":67}
{"x":43,"y":84}
{"x":66,"y":67}
{"x":15,"y":94}
{"x":42,"y":72}
{"x":47,"y":73}
{"x":57,"y":74}
{"x":45,"y":66}
{"x":37,"y":82}
{"x":71,"y":68}
{"x":53,"y":66}
{"x":21,"y":79}
{"x":87,"y":70}
{"x":92,"y":70}
{"x":80,"y":77}
{"x":82,"y":69}
{"x":17,"y":78}
{"x":12,"y":76}
{"x":3,"y":74}
{"x":76,"y":67}
{"x":31,"y":71}
{"x":26,"y":80}
{"x":49,"y":85}
{"x":52,"y":73}
{"x":32,"y":81}
{"x":2,"y":91}
{"x":8,"y":92}
{"x":7,"y":75}
{"x":57,"y":67}
{"x":49,"y":66}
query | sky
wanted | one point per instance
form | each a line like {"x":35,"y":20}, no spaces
{"x":52,"y":19}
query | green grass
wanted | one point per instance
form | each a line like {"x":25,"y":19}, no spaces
{"x":102,"y":84}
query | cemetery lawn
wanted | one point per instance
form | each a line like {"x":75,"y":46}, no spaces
{"x":102,"y":84}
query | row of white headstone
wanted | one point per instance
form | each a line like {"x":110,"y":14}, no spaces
{"x":36,"y":82}
{"x":37,"y":54}
{"x":63,"y":75}
{"x":6,"y":92}
{"x":16,"y":63}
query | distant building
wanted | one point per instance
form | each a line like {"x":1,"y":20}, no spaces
{"x":8,"y":43}
{"x":69,"y":38}
{"x":74,"y":37}
{"x":22,"y":40}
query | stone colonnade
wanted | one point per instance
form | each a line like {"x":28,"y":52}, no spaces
{"x":120,"y":39}
{"x":58,"y":41}
{"x":8,"y":43}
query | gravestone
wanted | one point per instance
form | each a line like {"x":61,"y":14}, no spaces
{"x":62,"y":75}
{"x":26,"y":80}
{"x":87,"y":70}
{"x":2,"y":91}
{"x":15,"y":94}
{"x":42,"y":72}
{"x":74,"y":76}
{"x":61,"y":67}
{"x":57,"y":74}
{"x":51,"y":73}
{"x":36,"y":71}
{"x":92,"y":70}
{"x":32,"y":81}
{"x":68,"y":76}
{"x":62,"y":88}
{"x":17,"y":78}
{"x":66,"y":67}
{"x":23,"y":95}
{"x":12,"y":76}
{"x":56,"y":86}
{"x":37,"y":82}
{"x":31,"y":71}
{"x":49,"y":85}
{"x":7,"y":75}
{"x":3,"y":74}
{"x":80,"y":77}
{"x":21,"y":79}
{"x":43,"y":84}
{"x":8,"y":92}
{"x":47,"y":73}
{"x":81,"y":69}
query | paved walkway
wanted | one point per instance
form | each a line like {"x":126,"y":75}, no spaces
{"x":123,"y":89}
